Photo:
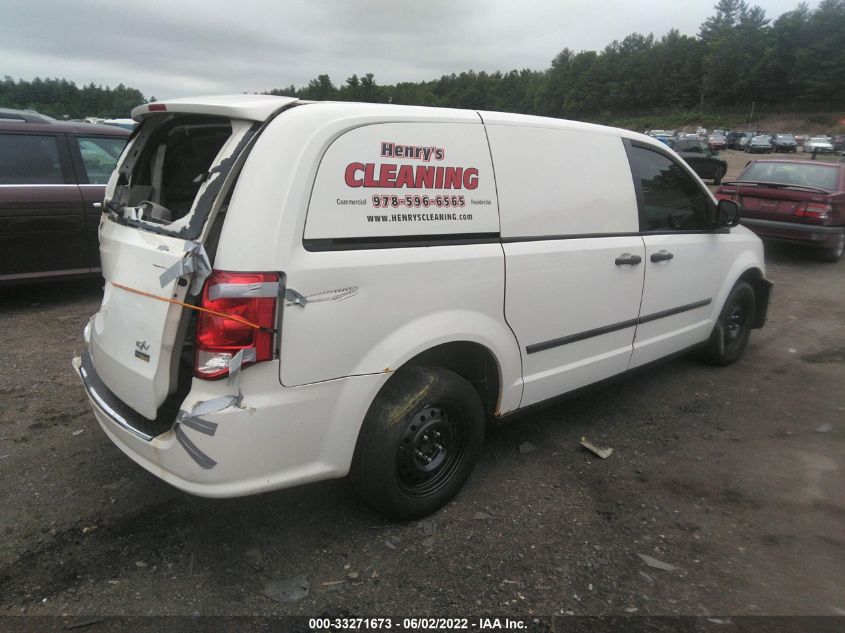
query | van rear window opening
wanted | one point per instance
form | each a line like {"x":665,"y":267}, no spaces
{"x":171,"y":167}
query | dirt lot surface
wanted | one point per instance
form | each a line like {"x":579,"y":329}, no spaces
{"x":731,"y":480}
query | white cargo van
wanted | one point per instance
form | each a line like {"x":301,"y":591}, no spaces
{"x":297,"y":291}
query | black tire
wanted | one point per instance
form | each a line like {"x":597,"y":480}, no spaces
{"x":419,"y":442}
{"x":832,"y":255}
{"x":717,"y":177}
{"x":733,"y":327}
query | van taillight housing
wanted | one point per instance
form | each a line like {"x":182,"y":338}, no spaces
{"x":251,"y":298}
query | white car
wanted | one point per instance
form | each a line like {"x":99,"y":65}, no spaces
{"x":819,"y":145}
{"x":296,"y":291}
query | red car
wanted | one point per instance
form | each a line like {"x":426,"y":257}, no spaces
{"x":793,"y":200}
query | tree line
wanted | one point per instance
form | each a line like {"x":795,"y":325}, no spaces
{"x":739,"y":56}
{"x":61,"y":98}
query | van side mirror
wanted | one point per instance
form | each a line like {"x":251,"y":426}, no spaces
{"x":727,"y":213}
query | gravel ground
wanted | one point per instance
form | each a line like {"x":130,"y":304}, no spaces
{"x":731,"y":481}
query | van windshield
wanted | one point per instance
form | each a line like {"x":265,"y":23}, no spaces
{"x":173,"y":171}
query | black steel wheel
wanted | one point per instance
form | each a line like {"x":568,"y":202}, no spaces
{"x":431,"y":450}
{"x":418,"y":443}
{"x":732,"y":329}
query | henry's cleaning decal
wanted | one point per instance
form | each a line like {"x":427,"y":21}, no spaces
{"x":398,"y":179}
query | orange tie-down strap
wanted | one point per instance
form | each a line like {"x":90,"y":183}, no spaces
{"x":188,"y":305}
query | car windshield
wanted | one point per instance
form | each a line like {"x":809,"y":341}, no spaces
{"x":785,"y":137}
{"x":761,"y":139}
{"x":819,"y":139}
{"x":801,"y":174}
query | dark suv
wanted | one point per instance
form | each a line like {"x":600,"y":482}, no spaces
{"x":52,"y":179}
{"x":703,"y":160}
{"x":733,"y":139}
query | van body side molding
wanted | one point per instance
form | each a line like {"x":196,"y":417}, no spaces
{"x":566,"y":340}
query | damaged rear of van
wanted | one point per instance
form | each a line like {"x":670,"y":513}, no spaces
{"x":297,"y":291}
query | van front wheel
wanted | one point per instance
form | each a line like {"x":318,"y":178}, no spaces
{"x":418,"y":443}
{"x":731,"y":332}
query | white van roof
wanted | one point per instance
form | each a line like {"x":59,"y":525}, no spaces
{"x":253,"y":107}
{"x":245,"y":106}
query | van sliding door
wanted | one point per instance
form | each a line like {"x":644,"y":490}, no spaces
{"x":572,"y":250}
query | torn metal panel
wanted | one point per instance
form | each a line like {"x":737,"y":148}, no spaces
{"x":194,"y":261}
{"x":292,"y":297}
{"x":214,"y":405}
{"x":243,"y":291}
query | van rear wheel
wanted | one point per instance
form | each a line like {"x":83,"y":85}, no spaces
{"x":418,"y":443}
{"x":732,"y":329}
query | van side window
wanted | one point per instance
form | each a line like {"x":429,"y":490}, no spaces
{"x":29,"y":159}
{"x":672,"y":200}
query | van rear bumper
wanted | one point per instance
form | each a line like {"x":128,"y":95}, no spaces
{"x":275,"y":437}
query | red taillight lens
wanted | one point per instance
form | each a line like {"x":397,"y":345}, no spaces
{"x":247,"y":300}
{"x":820,"y":211}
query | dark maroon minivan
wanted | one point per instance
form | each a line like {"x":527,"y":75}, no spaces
{"x":52,"y":180}
{"x":793,"y":200}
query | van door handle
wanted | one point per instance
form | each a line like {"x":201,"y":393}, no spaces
{"x":661,"y":256}
{"x":627,"y":258}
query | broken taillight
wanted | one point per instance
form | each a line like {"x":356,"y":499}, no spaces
{"x":239,"y":313}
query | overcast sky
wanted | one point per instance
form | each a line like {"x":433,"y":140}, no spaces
{"x":188,"y":47}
